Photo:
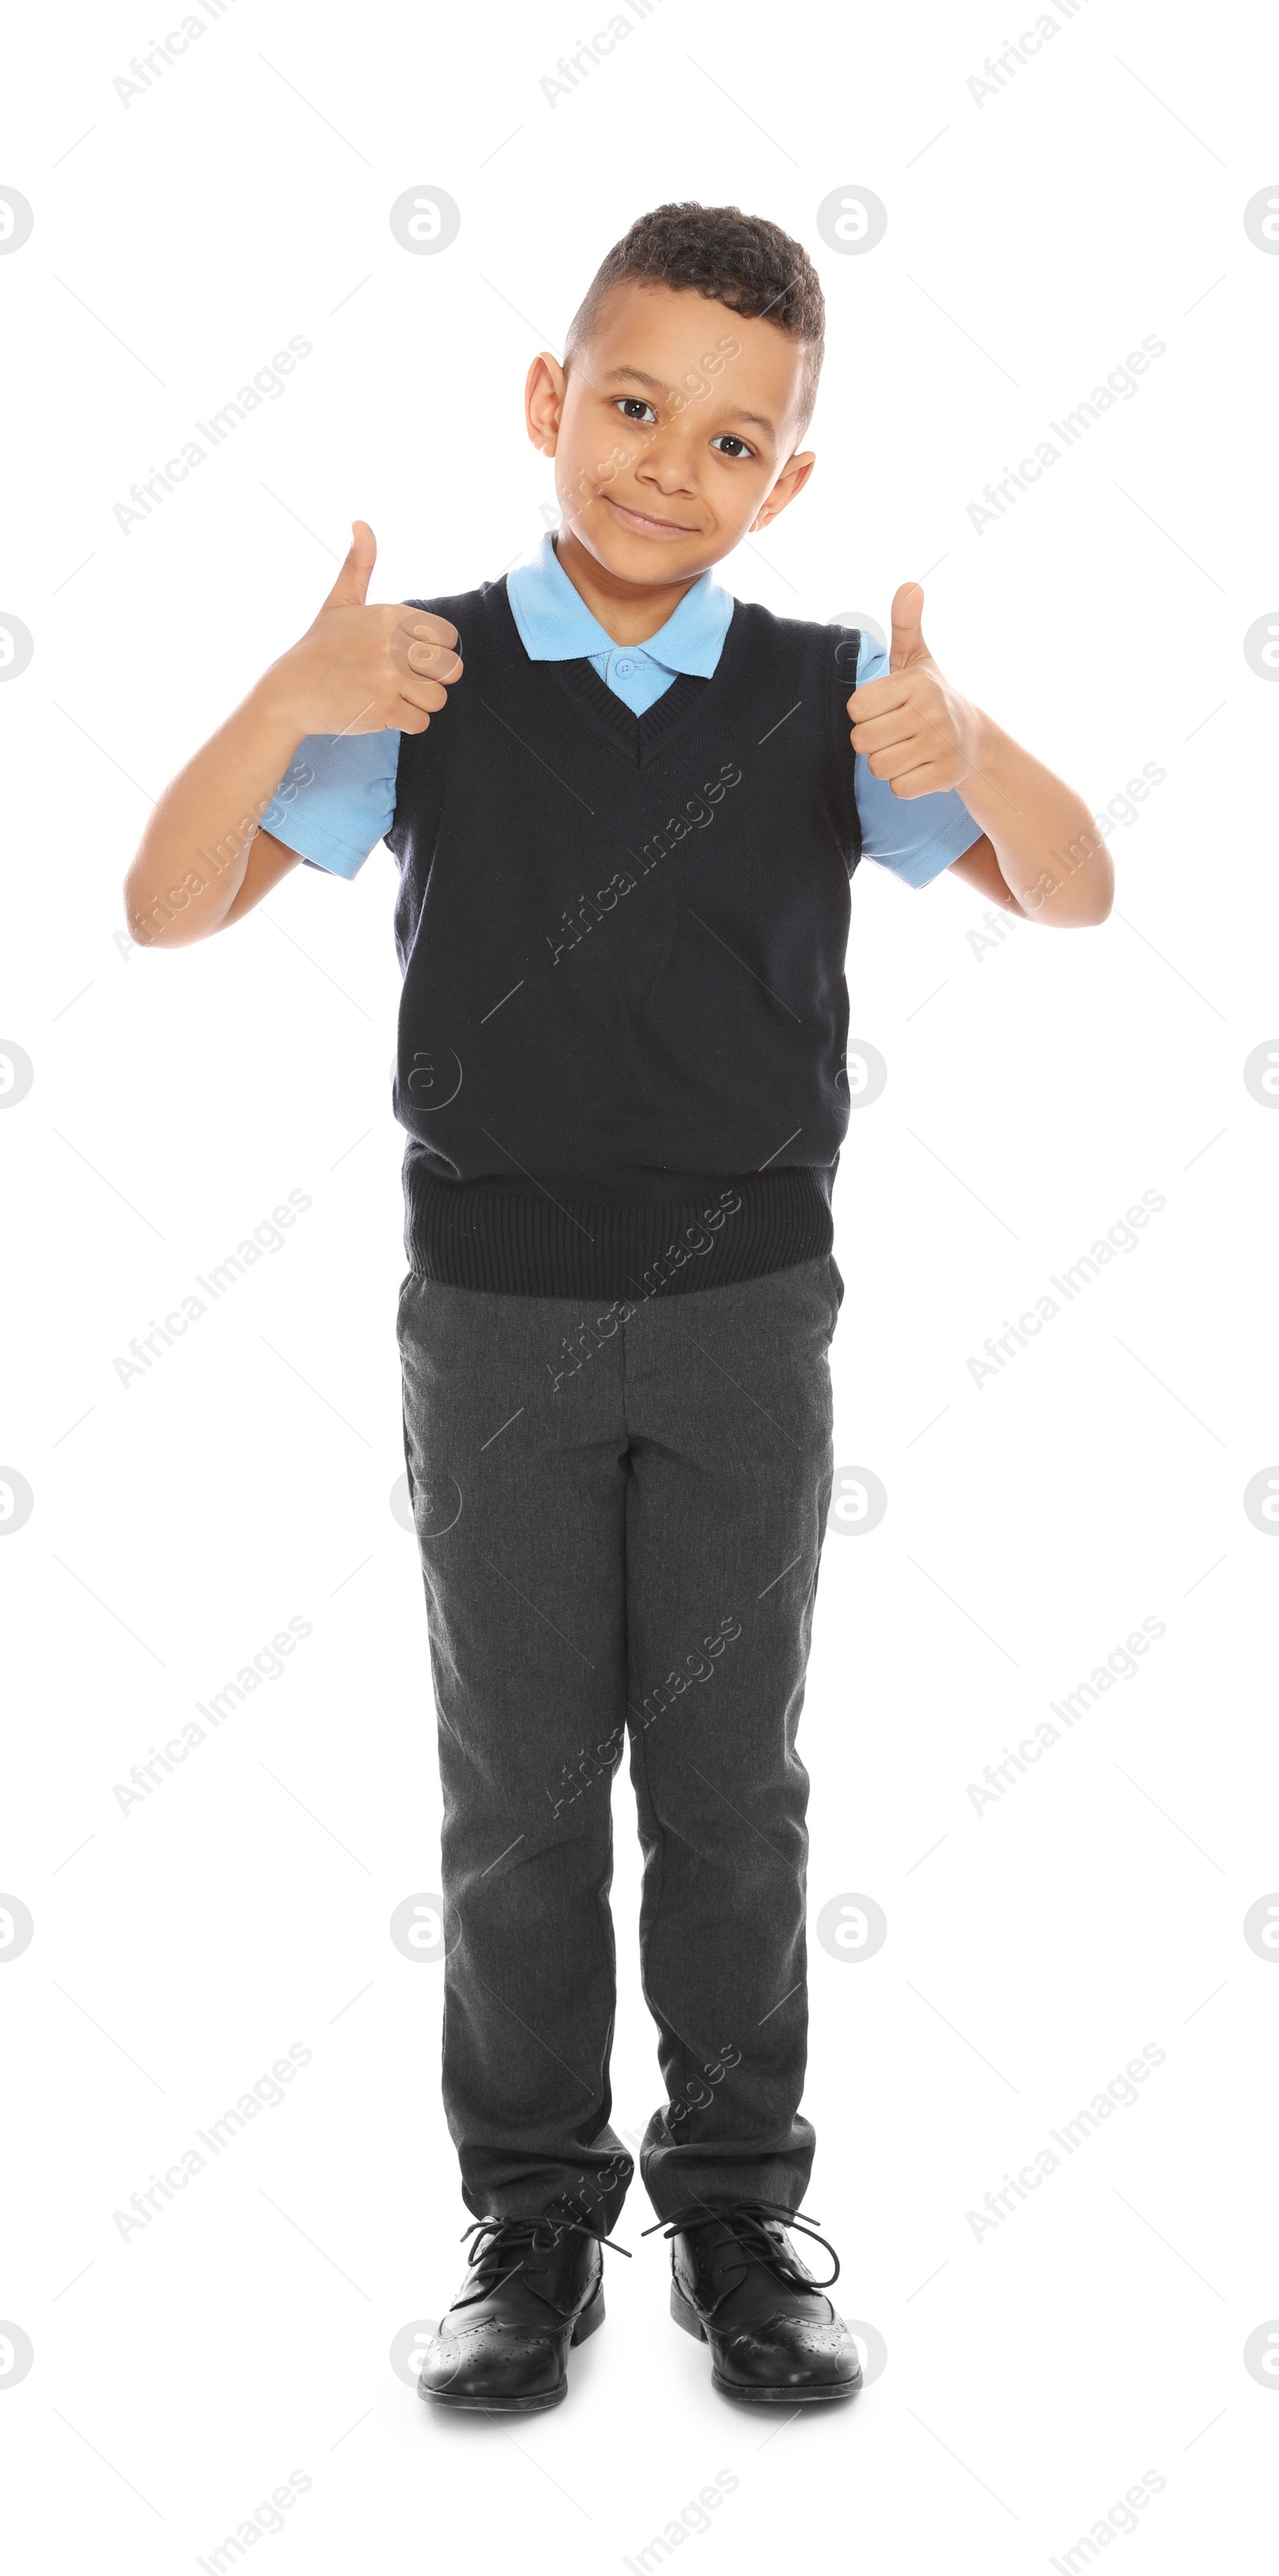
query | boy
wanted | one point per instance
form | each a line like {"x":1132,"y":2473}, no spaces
{"x":625,"y":855}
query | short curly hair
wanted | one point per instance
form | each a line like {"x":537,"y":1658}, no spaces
{"x":742,"y":261}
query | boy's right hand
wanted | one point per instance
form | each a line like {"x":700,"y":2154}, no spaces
{"x":365,"y":670}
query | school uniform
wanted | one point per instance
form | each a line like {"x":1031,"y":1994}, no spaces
{"x":621,"y":916}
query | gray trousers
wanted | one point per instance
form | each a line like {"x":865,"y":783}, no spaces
{"x":619,"y":1519}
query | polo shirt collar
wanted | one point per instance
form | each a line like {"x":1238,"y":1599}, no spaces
{"x":555,"y":624}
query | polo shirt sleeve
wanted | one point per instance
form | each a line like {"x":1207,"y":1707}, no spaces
{"x":915,"y":837}
{"x":336,"y":800}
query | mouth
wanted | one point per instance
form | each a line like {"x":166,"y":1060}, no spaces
{"x":643,"y":524}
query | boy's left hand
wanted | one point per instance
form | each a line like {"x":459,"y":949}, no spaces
{"x":912,"y":727}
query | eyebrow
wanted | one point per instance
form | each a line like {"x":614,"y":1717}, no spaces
{"x":637,"y":376}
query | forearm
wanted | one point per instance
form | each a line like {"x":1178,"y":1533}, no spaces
{"x":191,"y":860}
{"x":1051,"y":854}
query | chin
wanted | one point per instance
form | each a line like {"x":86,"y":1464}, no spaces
{"x":641,"y":559}
{"x":642,"y":563}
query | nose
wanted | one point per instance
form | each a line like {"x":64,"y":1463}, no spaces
{"x":666,"y":469}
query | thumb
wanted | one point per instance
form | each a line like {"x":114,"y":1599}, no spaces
{"x":350,"y":590}
{"x":908,"y":635}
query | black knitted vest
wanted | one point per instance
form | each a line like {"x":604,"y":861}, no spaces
{"x":622,"y":1030}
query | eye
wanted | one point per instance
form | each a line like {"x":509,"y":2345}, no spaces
{"x":633,"y":407}
{"x":732,"y":446}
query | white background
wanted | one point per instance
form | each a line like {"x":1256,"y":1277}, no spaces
{"x":1035,"y":1091}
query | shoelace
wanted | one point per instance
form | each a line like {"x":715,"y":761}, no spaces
{"x":746,"y":2224}
{"x":493,"y":2239}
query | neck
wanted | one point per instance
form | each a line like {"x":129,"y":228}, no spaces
{"x":629,"y":611}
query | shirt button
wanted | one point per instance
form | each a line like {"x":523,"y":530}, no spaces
{"x":623,"y":669}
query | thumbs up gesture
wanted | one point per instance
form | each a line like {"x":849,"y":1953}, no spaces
{"x":912,"y":727}
{"x":362,"y":669}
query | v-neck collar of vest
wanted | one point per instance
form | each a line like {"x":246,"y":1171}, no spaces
{"x":637,"y":738}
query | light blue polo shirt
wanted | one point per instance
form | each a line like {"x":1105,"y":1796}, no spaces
{"x":348,"y":804}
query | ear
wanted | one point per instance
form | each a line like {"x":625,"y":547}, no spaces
{"x":543,"y":400}
{"x":790,"y":482}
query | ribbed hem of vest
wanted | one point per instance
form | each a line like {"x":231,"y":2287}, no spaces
{"x":476,"y":1234}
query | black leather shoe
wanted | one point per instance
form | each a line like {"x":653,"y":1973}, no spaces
{"x":535,"y":2286}
{"x":739,"y":2285}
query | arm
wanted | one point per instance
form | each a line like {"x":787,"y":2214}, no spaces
{"x":979,"y":868}
{"x":1040,"y":854}
{"x":203,"y":860}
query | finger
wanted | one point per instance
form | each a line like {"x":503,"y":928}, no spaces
{"x":425,"y":694}
{"x":435,"y":630}
{"x":439,"y":659}
{"x":926,"y":780}
{"x":909,"y":724}
{"x":901,"y":725}
{"x":878,"y":697}
{"x":904,"y":756}
{"x":908,"y":635}
{"x":351,"y":589}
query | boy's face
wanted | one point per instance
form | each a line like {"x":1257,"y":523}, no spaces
{"x":672,"y":432}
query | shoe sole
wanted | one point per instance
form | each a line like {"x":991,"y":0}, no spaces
{"x":685,"y":2315}
{"x":590,"y":2318}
